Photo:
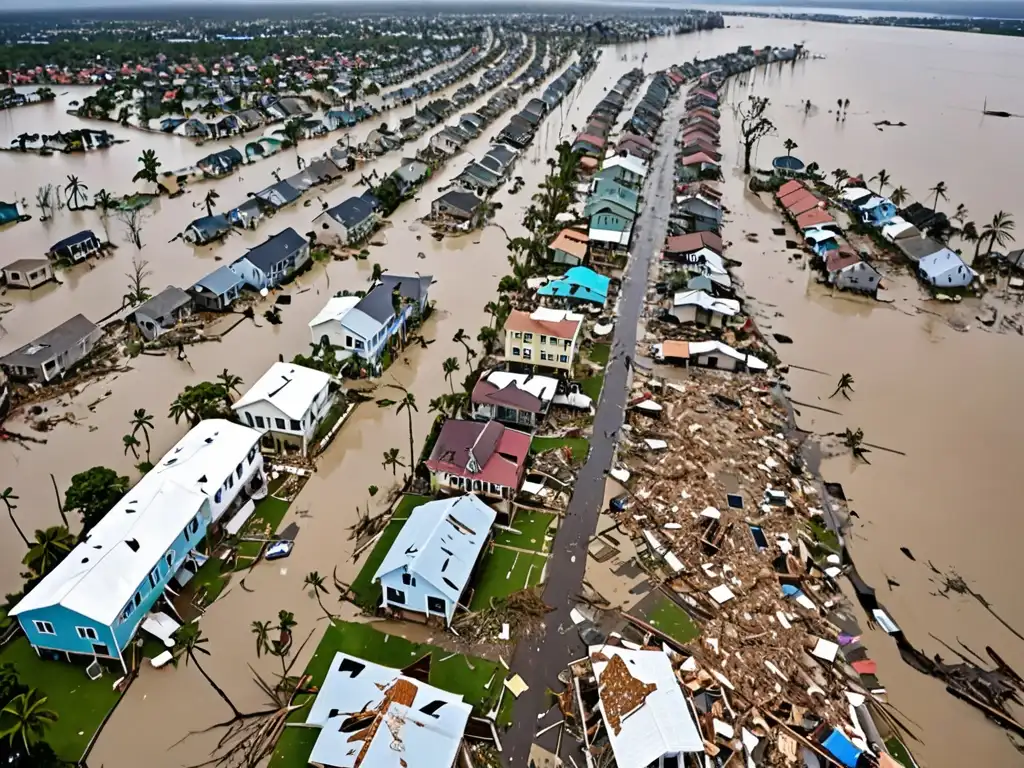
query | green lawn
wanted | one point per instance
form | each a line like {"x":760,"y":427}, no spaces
{"x":336,"y":412}
{"x":361,"y":640}
{"x":600,"y":353}
{"x":263,"y":523}
{"x":366,"y":592}
{"x":824,"y":536}
{"x":591,"y":387}
{"x":503,"y":572}
{"x":532,"y":527}
{"x":899,"y":752}
{"x":80,"y":703}
{"x":673,"y":621}
{"x":579,"y":445}
{"x":408,"y":503}
{"x":209,"y":581}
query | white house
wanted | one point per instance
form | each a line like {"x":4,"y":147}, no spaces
{"x":628,"y":168}
{"x":360,"y":327}
{"x":429,"y":565}
{"x":703,"y":308}
{"x":945,"y":269}
{"x":653,"y":726}
{"x":287,"y":404}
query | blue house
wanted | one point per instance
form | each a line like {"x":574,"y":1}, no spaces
{"x":207,"y":229}
{"x":93,"y":602}
{"x":877,"y":211}
{"x":578,"y":284}
{"x":218,"y":290}
{"x":821,"y":241}
{"x":76,"y":248}
{"x":428,"y":568}
{"x":269,"y":263}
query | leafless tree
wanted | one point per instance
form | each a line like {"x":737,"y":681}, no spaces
{"x":753,"y":126}
{"x":44,"y":200}
{"x":137,"y":292}
{"x":133,"y":221}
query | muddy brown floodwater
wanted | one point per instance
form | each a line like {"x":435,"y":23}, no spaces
{"x":947,"y":399}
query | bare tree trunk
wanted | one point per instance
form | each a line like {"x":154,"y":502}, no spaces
{"x":217,"y":688}
{"x":60,"y":507}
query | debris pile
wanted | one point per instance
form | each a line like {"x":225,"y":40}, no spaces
{"x":523,"y":610}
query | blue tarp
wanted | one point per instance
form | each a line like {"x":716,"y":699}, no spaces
{"x":842,"y":749}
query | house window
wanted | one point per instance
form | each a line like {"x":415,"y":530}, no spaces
{"x":436,"y":605}
{"x":527,"y":353}
{"x":87,"y":633}
{"x":553,"y":340}
{"x":259,"y":422}
{"x":515,"y":351}
{"x":218,"y":495}
{"x":409,"y":580}
{"x":195,"y":525}
{"x":238,"y":470}
{"x":169,"y":559}
{"x":359,"y":344}
{"x":517,"y":335}
{"x":154,"y":576}
{"x":348,"y":341}
{"x":396,"y":596}
{"x":543,"y":339}
{"x":527,"y":337}
{"x":252,"y":453}
{"x":138,"y":599}
{"x":249,"y":419}
{"x":44,"y":627}
{"x":295,"y":425}
{"x":563,"y":358}
{"x":279,"y":423}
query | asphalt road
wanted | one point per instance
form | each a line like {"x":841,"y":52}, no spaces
{"x":539,"y":662}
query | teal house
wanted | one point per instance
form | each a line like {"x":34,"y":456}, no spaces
{"x":579,"y":285}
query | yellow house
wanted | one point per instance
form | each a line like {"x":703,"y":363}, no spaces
{"x":548,"y":338}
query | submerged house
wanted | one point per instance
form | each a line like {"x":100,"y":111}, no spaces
{"x":55,"y":353}
{"x":76,"y":248}
{"x":270,"y":263}
{"x":845,"y":270}
{"x":287,"y":405}
{"x":475,"y":457}
{"x":428,"y":568}
{"x":397,"y":715}
{"x":347,"y":223}
{"x":703,"y":309}
{"x":361,"y":326}
{"x":462,"y":207}
{"x":877,"y":211}
{"x":207,"y":229}
{"x":26,"y":273}
{"x":217,"y":291}
{"x":162,"y":312}
{"x":944,"y":269}
{"x":95,"y":600}
{"x":279,"y":195}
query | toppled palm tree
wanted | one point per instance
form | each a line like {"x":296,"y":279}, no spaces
{"x":844,"y":387}
{"x":854,"y":440}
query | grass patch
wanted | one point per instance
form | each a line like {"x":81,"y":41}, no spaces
{"x":531,"y":526}
{"x":503,"y":572}
{"x":592,"y":386}
{"x":363,"y":641}
{"x":367,"y":592}
{"x":80,"y":703}
{"x":899,"y":752}
{"x":823,"y":535}
{"x":578,"y":445}
{"x":408,"y":503}
{"x":209,"y":581}
{"x":263,"y":523}
{"x":336,"y":412}
{"x":600,"y":353}
{"x":673,"y":621}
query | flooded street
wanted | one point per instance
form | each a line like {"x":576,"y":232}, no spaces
{"x":944,"y":398}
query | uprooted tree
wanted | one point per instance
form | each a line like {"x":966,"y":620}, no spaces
{"x":753,"y":126}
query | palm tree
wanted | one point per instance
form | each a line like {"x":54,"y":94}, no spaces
{"x":450,"y":366}
{"x":969,"y":234}
{"x":882,"y":177}
{"x":48,"y":548}
{"x":438,"y":405}
{"x":262,"y":631}
{"x":75,"y":192}
{"x":391,"y":460}
{"x":180,"y":410}
{"x":230,"y":382}
{"x":839,"y":174}
{"x":488,"y":338}
{"x":292,"y":132}
{"x":376,"y":274}
{"x":189,"y":641}
{"x":315,"y":582}
{"x":408,"y":404}
{"x":460,"y":337}
{"x":790,"y":145}
{"x":31,"y":718}
{"x":845,"y":386}
{"x":961,"y":213}
{"x":940,"y":190}
{"x":104,"y":201}
{"x":209,"y":200}
{"x":150,"y":166}
{"x":7,"y":497}
{"x":854,"y":440}
{"x":131,"y":443}
{"x":899,"y":196}
{"x":142,"y":421}
{"x":998,"y":231}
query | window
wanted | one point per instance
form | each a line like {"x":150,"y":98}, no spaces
{"x":195,"y":525}
{"x":15,"y":276}
{"x":252,"y":453}
{"x":218,"y":495}
{"x":517,"y":335}
{"x":396,"y":596}
{"x":87,"y":633}
{"x":563,"y":358}
{"x":359,"y":344}
{"x":543,"y":339}
{"x":527,"y":337}
{"x":138,"y":599}
{"x":527,"y":353}
{"x":44,"y":627}
{"x":436,"y":605}
{"x":238,"y":470}
{"x":295,"y":425}
{"x":409,"y":580}
{"x":348,"y":341}
{"x":259,"y":422}
{"x":515,"y":351}
{"x":154,"y":576}
{"x":249,"y":419}
{"x":231,"y":482}
{"x":553,"y":340}
{"x":169,"y":559}
{"x":279,"y":423}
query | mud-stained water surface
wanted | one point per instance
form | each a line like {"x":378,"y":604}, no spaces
{"x":946,"y":398}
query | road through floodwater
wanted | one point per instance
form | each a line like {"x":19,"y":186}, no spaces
{"x":947,"y":399}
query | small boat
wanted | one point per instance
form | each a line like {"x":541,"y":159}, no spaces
{"x":993,"y":112}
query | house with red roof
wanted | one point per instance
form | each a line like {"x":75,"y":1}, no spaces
{"x":485,"y":458}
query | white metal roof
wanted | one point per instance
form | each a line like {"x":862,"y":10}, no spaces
{"x":662,"y":724}
{"x":101,"y":574}
{"x":288,"y":387}
{"x":417,"y":724}
{"x":819,"y":235}
{"x":542,"y":387}
{"x":629,"y":162}
{"x":854,"y":193}
{"x":896,"y":225}
{"x":342,"y":309}
{"x":609,"y":236}
{"x":727,"y":307}
{"x":707,"y":347}
{"x":335,"y":309}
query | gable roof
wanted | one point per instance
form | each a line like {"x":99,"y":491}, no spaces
{"x":440,"y":542}
{"x":694,"y":241}
{"x":352,"y":212}
{"x":488,"y":452}
{"x":407,"y":722}
{"x":549,"y":322}
{"x":219,"y":282}
{"x":815,"y":217}
{"x":789,"y":188}
{"x":572,"y":242}
{"x":463,"y":201}
{"x":102,"y":573}
{"x":726,"y":307}
{"x":275,"y":249}
{"x":168,"y":300}
{"x":288,"y":387}
{"x":578,"y":283}
{"x":59,"y":339}
{"x":414,"y":287}
{"x":377,"y":304}
{"x":630,"y":163}
{"x":519,"y":390}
